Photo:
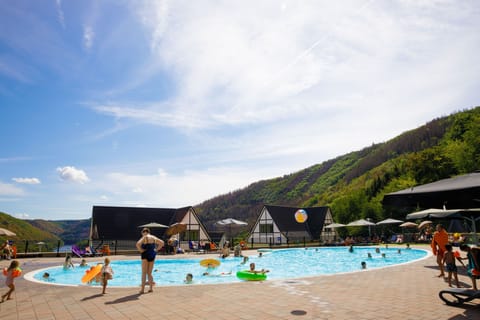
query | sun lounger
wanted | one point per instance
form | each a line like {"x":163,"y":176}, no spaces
{"x":457,"y":297}
{"x":194,"y":247}
{"x":78,"y":252}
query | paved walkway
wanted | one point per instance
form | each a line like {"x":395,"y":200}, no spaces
{"x":403,"y":292}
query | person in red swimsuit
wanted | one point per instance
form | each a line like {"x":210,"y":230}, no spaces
{"x":439,"y":240}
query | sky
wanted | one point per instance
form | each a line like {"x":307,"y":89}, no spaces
{"x":170,"y":103}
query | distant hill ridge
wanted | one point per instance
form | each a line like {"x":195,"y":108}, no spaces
{"x":353,"y":184}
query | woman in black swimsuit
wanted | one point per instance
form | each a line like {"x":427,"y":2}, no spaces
{"x":148,"y":245}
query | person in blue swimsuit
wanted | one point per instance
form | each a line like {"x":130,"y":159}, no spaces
{"x":148,"y":245}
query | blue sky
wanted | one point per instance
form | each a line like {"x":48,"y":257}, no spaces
{"x":169,"y":103}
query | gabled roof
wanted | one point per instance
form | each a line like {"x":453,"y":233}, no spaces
{"x":284,"y":218}
{"x":122,"y":222}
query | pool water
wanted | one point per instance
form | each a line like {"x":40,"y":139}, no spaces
{"x":282,"y":263}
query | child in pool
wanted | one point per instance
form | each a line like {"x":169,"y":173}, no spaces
{"x":68,"y":263}
{"x":188,"y":278}
{"x":252,"y":269}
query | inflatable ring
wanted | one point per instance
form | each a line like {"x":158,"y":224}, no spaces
{"x":212,"y":262}
{"x":242,"y":244}
{"x":249,"y":276}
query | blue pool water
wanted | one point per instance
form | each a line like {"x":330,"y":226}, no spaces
{"x":283,"y":264}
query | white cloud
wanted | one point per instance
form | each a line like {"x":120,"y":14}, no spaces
{"x":88,"y":37}
{"x":271,"y":62}
{"x":27,"y":180}
{"x":61,"y":16}
{"x":22,"y":215}
{"x":168,"y":190}
{"x":72,"y":174}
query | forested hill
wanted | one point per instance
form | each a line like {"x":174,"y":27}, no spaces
{"x":354,"y":184}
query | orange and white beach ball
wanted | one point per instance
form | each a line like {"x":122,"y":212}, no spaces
{"x":301,"y":216}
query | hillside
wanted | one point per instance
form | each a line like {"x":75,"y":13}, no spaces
{"x":354,"y":184}
{"x":26,"y":231}
{"x":49,"y":232}
{"x":70,"y":231}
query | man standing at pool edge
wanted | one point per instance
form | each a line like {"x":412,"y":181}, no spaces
{"x":439,"y":240}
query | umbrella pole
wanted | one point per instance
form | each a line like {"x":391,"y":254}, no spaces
{"x":474,"y":230}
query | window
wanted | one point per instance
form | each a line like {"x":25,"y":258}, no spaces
{"x":193,"y":235}
{"x":266,"y":228}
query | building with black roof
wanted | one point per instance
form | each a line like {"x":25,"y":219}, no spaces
{"x":122,"y":223}
{"x":277,"y":225}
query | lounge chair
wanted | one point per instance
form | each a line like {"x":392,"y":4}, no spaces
{"x":194,"y":247}
{"x":78,"y":252}
{"x":457,"y":297}
{"x":213,"y":247}
{"x":89,"y":251}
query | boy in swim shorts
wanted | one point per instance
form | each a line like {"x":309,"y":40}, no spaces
{"x":449,"y":261}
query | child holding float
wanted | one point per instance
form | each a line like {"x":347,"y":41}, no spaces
{"x":106,"y":274}
{"x":11,"y":273}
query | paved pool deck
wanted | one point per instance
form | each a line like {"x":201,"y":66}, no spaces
{"x":408,"y":291}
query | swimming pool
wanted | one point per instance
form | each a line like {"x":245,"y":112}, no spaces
{"x":282,"y":263}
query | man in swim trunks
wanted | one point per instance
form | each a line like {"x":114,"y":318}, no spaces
{"x":439,"y":240}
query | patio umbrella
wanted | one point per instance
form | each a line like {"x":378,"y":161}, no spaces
{"x":176,"y":228}
{"x":360,"y":223}
{"x":426,"y":213}
{"x":40,"y":244}
{"x":6,"y":232}
{"x":334,"y":225}
{"x":424,"y":224}
{"x":408,"y":225}
{"x":153,"y":225}
{"x":230,"y":222}
{"x":389,"y":221}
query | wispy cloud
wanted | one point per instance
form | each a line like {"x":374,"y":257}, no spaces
{"x":61,"y":16}
{"x":27,"y":180}
{"x":14,"y":159}
{"x":274,"y":62}
{"x":88,"y":37}
{"x":174,"y":190}
{"x":7,"y":189}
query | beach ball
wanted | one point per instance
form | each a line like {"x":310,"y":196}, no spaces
{"x":456,"y":235}
{"x":301,"y":216}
